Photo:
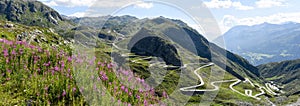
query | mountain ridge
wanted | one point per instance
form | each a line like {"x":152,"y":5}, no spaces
{"x":263,"y":43}
{"x":29,"y":12}
{"x":187,"y":39}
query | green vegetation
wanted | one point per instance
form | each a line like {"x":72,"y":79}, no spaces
{"x":39,"y":64}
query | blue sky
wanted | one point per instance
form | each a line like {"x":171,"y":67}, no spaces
{"x":226,"y":13}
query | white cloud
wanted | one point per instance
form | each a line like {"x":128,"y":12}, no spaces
{"x":51,"y":3}
{"x":69,"y":3}
{"x":87,"y":13}
{"x":143,"y":5}
{"x":227,"y":22}
{"x":227,"y":4}
{"x":111,"y":3}
{"x":230,"y":21}
{"x":219,"y":4}
{"x":97,"y":3}
{"x":269,"y":3}
{"x":239,"y":6}
{"x":78,"y":14}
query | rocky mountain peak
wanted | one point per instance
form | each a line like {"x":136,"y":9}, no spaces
{"x":29,"y":12}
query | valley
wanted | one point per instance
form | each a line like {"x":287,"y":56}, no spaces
{"x":50,"y":59}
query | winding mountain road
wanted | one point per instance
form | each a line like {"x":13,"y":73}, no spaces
{"x":236,"y":82}
{"x":248,"y":93}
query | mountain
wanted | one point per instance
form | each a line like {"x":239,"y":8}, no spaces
{"x":265,"y":42}
{"x":108,"y":22}
{"x":29,"y":12}
{"x":145,"y":39}
{"x":284,"y":73}
{"x":178,"y":32}
{"x":151,"y":45}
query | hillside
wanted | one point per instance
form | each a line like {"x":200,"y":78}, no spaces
{"x":284,"y":73}
{"x":120,"y":61}
{"x":180,"y":33}
{"x":264,"y":43}
{"x":29,"y":12}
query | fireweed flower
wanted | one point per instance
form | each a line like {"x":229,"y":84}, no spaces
{"x":165,"y":95}
{"x":130,"y":93}
{"x":21,"y":51}
{"x":13,"y":52}
{"x":31,"y":46}
{"x":104,"y":77}
{"x":5,"y":52}
{"x":145,"y":102}
{"x":102,"y":64}
{"x":122,"y":88}
{"x":71,"y":77}
{"x":64,"y":93}
{"x":138,"y":97}
{"x":74,"y":89}
{"x":69,"y":59}
{"x":101,"y":72}
{"x":140,"y":90}
{"x":7,"y":60}
{"x":52,"y":72}
{"x":56,"y":68}
{"x":129,"y":78}
{"x":40,"y":49}
{"x":109,"y":66}
{"x":119,"y":102}
{"x":115,"y":89}
{"x":62,"y":64}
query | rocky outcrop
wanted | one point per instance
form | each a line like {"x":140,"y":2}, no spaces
{"x":29,"y":12}
{"x":154,"y":46}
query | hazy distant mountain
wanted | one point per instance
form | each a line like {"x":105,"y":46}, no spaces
{"x":264,"y":43}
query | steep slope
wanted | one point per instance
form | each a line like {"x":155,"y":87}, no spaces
{"x":264,"y":43}
{"x":29,"y":12}
{"x":43,"y":37}
{"x":188,"y":42}
{"x":152,"y":45}
{"x":286,"y":73}
{"x":209,"y":50}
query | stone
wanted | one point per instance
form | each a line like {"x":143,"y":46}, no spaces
{"x":9,"y":25}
